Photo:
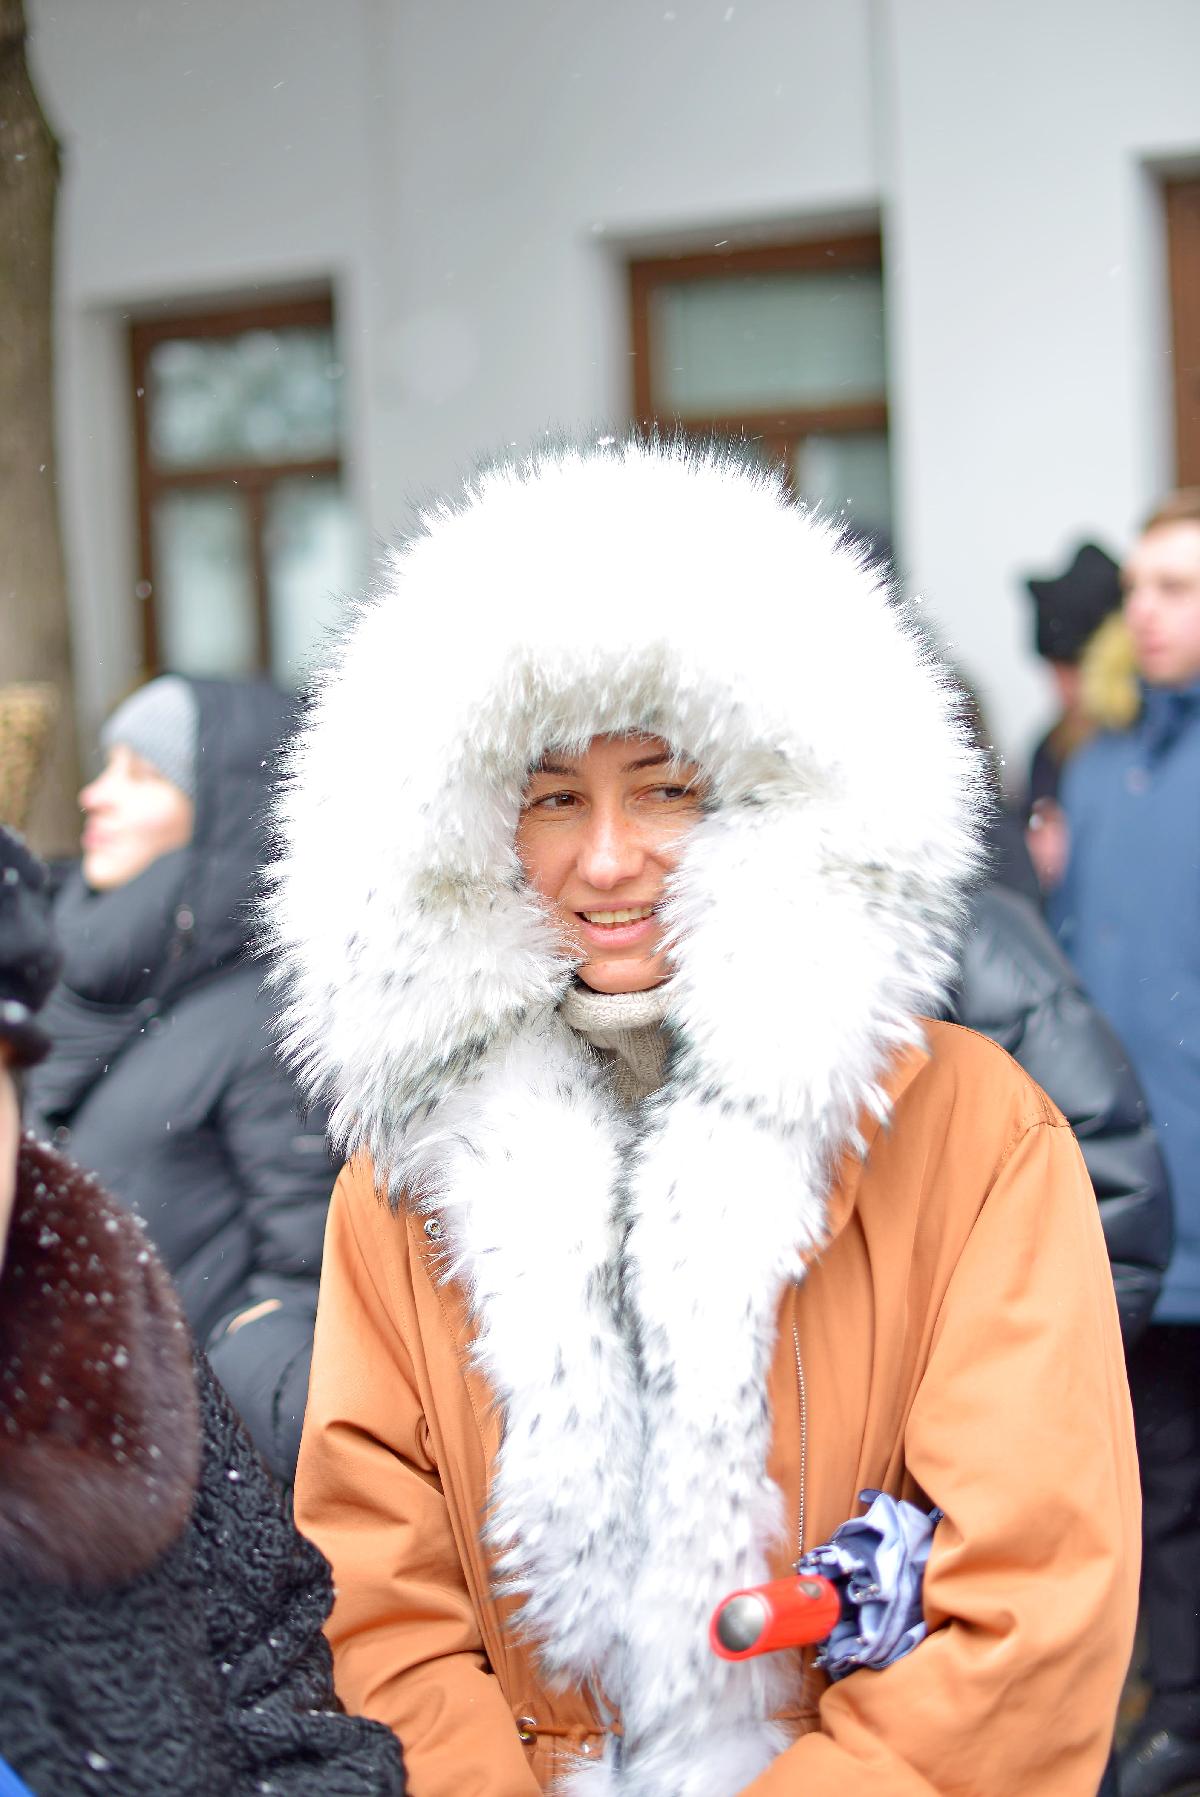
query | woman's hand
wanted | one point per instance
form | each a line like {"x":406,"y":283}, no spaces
{"x":1048,"y":842}
{"x":252,"y":1315}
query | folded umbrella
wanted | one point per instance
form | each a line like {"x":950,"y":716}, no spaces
{"x":858,"y":1594}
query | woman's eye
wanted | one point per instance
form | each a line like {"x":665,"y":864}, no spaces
{"x":553,"y":801}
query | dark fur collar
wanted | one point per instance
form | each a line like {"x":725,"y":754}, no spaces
{"x":99,"y":1430}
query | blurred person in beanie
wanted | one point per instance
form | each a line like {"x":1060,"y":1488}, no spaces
{"x":611,"y":923}
{"x":1069,"y":608}
{"x":1127,"y":915}
{"x":163,"y":1078}
{"x":161,"y":1615}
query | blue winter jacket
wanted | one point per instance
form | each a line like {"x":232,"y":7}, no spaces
{"x":1128,"y":915}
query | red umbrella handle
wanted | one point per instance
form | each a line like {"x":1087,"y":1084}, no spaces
{"x":792,"y":1612}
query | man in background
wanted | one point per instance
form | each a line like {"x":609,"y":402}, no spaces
{"x":1128,"y":912}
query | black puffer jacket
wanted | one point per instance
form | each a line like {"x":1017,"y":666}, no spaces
{"x":164,"y":1081}
{"x":1016,"y":987}
{"x":161,"y":1617}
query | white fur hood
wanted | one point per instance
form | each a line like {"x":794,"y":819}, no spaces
{"x":625,"y":1282}
{"x":623,"y":587}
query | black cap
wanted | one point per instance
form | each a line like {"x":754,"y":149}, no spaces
{"x":1072,"y":606}
{"x":29,"y":958}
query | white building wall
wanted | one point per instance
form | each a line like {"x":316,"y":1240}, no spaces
{"x":208,"y":150}
{"x":537,"y":140}
{"x":473,"y":175}
{"x":1026,"y":285}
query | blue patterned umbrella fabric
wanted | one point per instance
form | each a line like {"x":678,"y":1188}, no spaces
{"x":877,"y":1562}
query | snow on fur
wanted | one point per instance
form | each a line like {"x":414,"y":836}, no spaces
{"x":625,"y":1286}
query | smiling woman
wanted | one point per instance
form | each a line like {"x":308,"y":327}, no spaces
{"x":671,"y":1223}
{"x":133,"y":815}
{"x":598,"y":836}
{"x":162,"y":1080}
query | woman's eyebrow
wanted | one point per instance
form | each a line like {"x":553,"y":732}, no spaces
{"x":557,"y":771}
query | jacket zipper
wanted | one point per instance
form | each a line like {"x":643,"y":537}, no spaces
{"x":803,"y":1439}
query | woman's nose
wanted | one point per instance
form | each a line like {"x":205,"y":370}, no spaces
{"x":611,"y":851}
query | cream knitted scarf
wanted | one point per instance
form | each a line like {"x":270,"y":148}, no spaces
{"x":625,"y":1030}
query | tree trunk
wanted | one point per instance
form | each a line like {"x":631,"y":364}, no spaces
{"x":35,"y":632}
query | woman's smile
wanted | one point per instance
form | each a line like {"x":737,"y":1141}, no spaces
{"x":619,"y":928}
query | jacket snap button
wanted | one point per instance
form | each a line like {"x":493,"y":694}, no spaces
{"x":526,"y":1726}
{"x":433,"y":1229}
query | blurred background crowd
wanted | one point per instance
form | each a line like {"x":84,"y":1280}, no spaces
{"x":275,"y":271}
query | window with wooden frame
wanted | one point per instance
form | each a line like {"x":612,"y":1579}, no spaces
{"x":245,"y":536}
{"x":782,"y":345}
{"x":1183,"y":257}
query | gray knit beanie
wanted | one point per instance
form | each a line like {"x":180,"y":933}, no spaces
{"x":160,"y":722}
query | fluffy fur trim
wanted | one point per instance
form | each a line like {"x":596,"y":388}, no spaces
{"x":627,"y":588}
{"x":625,"y":1283}
{"x":626,"y":1325}
{"x":99,"y":1428}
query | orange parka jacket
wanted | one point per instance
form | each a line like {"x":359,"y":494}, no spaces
{"x":581,"y":1370}
{"x":958,"y":1341}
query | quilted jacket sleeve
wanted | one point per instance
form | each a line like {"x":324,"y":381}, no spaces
{"x":264,"y":1368}
{"x":279,"y":1158}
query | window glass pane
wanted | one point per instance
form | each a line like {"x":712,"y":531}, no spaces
{"x":847,"y":473}
{"x":204,"y":594}
{"x":748,"y":343}
{"x":263,"y":396}
{"x":312,"y":552}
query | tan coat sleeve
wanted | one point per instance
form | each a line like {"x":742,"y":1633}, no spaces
{"x":406,"y":1644}
{"x":1021,"y":1431}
